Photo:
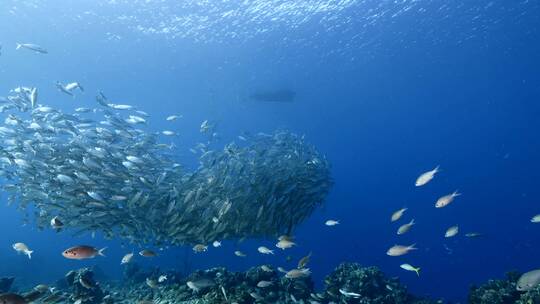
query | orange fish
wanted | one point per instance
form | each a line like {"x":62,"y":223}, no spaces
{"x":82,"y":252}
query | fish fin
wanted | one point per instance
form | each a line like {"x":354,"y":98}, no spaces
{"x":412,"y":247}
{"x":437,"y":169}
{"x":29,"y":254}
{"x":18,"y":46}
{"x":456,"y":193}
{"x":417,"y":270}
{"x":100,"y":252}
{"x":412,"y":222}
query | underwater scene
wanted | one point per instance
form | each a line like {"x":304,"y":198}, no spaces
{"x":269,"y":151}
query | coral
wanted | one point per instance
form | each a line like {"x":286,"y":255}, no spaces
{"x":84,"y":287}
{"x":496,"y":291}
{"x":5,"y":284}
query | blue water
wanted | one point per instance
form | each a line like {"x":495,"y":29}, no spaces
{"x":385,"y":89}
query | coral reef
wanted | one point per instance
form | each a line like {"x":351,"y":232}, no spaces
{"x":496,"y":291}
{"x":83,"y":287}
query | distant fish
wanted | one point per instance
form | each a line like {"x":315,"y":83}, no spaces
{"x":33,"y":47}
{"x":147,"y":253}
{"x":426,"y":177}
{"x":200,"y":248}
{"x":473,"y":234}
{"x":265,"y":250}
{"x":56,"y":223}
{"x":216,"y":244}
{"x":266,"y":268}
{"x":405,"y":227}
{"x":349,"y":294}
{"x":535,"y":219}
{"x":451,"y":232}
{"x":127,"y":258}
{"x":409,"y":267}
{"x":446,"y":200}
{"x":83,"y":252}
{"x":304,"y":261}
{"x":239,"y":253}
{"x":285,"y":244}
{"x":162,"y":278}
{"x":264,"y":284}
{"x":331,"y":223}
{"x":151,"y":283}
{"x":23,"y":248}
{"x":200,"y":284}
{"x":69,"y":88}
{"x":398,"y":214}
{"x":284,"y":95}
{"x":398,"y":250}
{"x":297,"y":273}
{"x":173,"y":117}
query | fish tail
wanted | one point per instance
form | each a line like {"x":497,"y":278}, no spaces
{"x":412,"y":247}
{"x":437,"y":169}
{"x":100,"y":252}
{"x":29,"y":254}
{"x":412,"y":222}
{"x":456,"y":193}
{"x":18,"y":46}
{"x":417,"y":270}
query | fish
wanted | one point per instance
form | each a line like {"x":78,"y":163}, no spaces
{"x":409,"y":267}
{"x":264,"y":284}
{"x":265,"y":250}
{"x":126,"y":259}
{"x":399,"y":250}
{"x":162,"y":278}
{"x":473,"y":234}
{"x":282,"y":270}
{"x":239,"y":253}
{"x":331,"y":222}
{"x":23,"y":248}
{"x":56,"y":223}
{"x":12,"y":298}
{"x":451,"y":232}
{"x":298,"y":273}
{"x":33,"y":47}
{"x":86,"y":283}
{"x":535,"y":219}
{"x":426,"y":177}
{"x":216,"y":244}
{"x":147,"y":253}
{"x":200,"y":284}
{"x":398,"y":214}
{"x":405,"y":227}
{"x":173,"y":117}
{"x":285,"y":244}
{"x":266,"y":268}
{"x":167,"y":132}
{"x":349,"y":294}
{"x":447,"y":199}
{"x":200,"y":248}
{"x":82,"y":252}
{"x":302,"y":263}
{"x":528,"y":280}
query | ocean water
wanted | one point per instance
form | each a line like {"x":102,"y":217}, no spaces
{"x":386,"y":90}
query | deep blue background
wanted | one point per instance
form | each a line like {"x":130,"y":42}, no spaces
{"x":385,"y":98}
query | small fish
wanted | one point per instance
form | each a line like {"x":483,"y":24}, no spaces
{"x":285,"y":244}
{"x":426,"y":177}
{"x":33,"y":47}
{"x":127,"y":258}
{"x":281,"y":269}
{"x":173,"y":117}
{"x":349,"y":294}
{"x":167,"y":133}
{"x":200,"y":248}
{"x":451,"y":232}
{"x":535,"y":219}
{"x":266,"y":268}
{"x":239,"y":253}
{"x":398,"y":250}
{"x":147,"y":253}
{"x":304,"y":261}
{"x":473,"y":234}
{"x":446,"y":200}
{"x":331,"y":222}
{"x":56,"y":223}
{"x":216,"y":244}
{"x":297,"y":273}
{"x":264,"y":284}
{"x":528,"y":280}
{"x":23,"y":248}
{"x":405,"y":227}
{"x":82,"y":252}
{"x":86,"y":283}
{"x":265,"y":250}
{"x":162,"y":278}
{"x":398,"y":214}
{"x":409,"y":267}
